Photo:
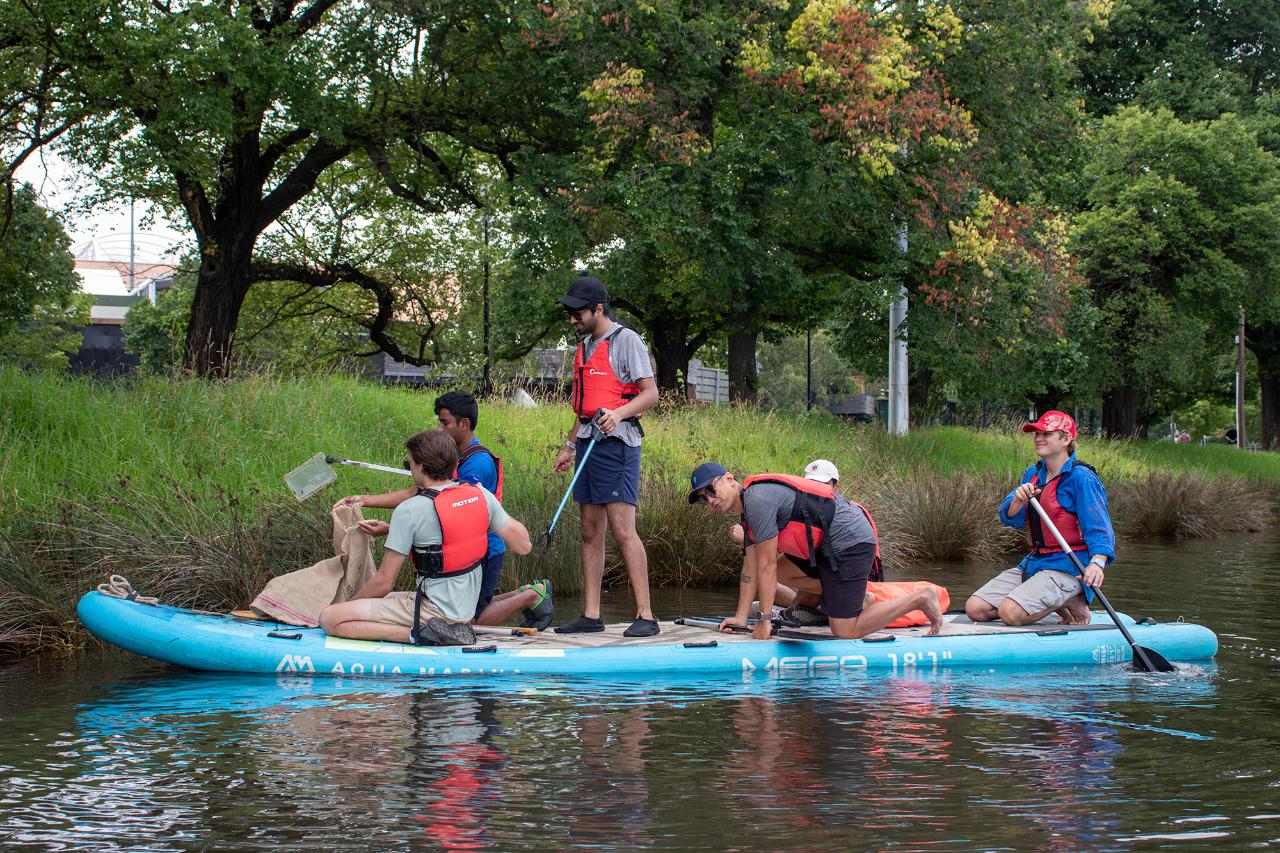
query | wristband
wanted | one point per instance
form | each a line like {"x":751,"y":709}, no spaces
{"x":1102,"y":566}
{"x":571,"y":445}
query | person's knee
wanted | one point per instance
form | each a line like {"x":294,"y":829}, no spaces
{"x":329,"y":619}
{"x":592,"y":527}
{"x":625,"y":536}
{"x":1011,"y":613}
{"x":979,"y":609}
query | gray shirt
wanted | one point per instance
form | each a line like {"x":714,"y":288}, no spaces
{"x":630,"y":362}
{"x":414,"y":523}
{"x":767,"y":509}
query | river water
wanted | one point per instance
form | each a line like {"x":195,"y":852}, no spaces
{"x":107,"y":751}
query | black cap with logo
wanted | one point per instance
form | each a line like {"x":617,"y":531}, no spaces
{"x":585,"y":292}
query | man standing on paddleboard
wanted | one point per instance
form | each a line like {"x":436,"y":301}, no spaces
{"x":612,"y":387}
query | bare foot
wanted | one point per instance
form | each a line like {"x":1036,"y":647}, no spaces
{"x":932,"y":610}
{"x":1075,"y":612}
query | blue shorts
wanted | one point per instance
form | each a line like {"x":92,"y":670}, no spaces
{"x":612,"y":474}
{"x":492,"y":569}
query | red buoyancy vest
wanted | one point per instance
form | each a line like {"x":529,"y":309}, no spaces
{"x":1068,"y":524}
{"x":595,"y":385}
{"x":811,"y":515}
{"x":890,"y":590}
{"x":464,"y":529}
{"x":497,"y":462}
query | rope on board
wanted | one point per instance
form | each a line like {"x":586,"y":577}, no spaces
{"x":119,"y":587}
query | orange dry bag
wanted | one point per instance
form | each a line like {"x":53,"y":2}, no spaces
{"x":889,"y":590}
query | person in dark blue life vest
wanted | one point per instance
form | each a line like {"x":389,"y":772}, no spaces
{"x":1047,"y":581}
{"x":458,"y":413}
{"x":612,"y":376}
{"x":444,"y":527}
{"x":829,"y":543}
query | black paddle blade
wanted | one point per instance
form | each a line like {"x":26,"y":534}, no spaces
{"x":1149,"y":660}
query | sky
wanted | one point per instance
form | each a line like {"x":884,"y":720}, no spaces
{"x":60,"y":186}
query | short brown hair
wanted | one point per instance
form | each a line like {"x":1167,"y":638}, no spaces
{"x":435,"y":453}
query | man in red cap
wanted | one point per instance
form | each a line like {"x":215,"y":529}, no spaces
{"x":1047,"y":581}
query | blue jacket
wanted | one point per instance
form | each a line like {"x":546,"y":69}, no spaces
{"x":1079,"y":492}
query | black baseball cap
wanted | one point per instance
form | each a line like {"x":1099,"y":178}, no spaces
{"x":702,"y":477}
{"x":585,"y":292}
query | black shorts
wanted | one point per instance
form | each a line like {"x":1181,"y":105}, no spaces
{"x":844,"y":585}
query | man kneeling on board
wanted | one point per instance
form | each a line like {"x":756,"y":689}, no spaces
{"x":803,"y":608}
{"x":829,"y":543}
{"x":1047,"y":581}
{"x":443,"y":526}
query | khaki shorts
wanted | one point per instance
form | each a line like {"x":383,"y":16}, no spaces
{"x":396,"y":608}
{"x":1047,"y":589}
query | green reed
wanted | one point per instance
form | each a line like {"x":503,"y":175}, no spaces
{"x":179,"y":485}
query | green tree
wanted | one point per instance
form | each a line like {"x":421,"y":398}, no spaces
{"x":40,"y":298}
{"x":229,"y":113}
{"x":1182,"y":224}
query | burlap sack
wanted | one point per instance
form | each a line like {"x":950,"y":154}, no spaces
{"x":298,"y":597}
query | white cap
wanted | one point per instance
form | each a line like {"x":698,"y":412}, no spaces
{"x":822,"y":471}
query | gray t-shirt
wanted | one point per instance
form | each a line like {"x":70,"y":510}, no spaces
{"x":414,"y":523}
{"x":630,"y":362}
{"x":767,"y":508}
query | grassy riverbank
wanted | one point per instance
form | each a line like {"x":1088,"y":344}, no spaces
{"x":179,"y":485}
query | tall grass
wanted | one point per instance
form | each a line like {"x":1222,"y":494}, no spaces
{"x":179,"y":485}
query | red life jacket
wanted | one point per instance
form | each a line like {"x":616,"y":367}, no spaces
{"x":464,"y":529}
{"x":595,"y":385}
{"x":497,"y":462}
{"x":1068,"y":524}
{"x":811,"y":515}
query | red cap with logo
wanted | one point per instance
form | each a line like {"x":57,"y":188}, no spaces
{"x":1053,"y":421}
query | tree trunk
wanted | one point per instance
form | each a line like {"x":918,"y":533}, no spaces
{"x":1050,"y":399}
{"x":1120,"y":412}
{"x":743,"y":382}
{"x":918,"y":394}
{"x":670,"y":352}
{"x":1264,"y":340}
{"x":223,"y":282}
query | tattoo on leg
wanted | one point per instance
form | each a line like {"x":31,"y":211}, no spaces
{"x":746,"y":578}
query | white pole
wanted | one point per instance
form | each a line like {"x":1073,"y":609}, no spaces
{"x":898,"y":351}
{"x":1240,"y":439}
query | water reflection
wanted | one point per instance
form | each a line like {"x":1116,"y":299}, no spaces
{"x":786,"y":764}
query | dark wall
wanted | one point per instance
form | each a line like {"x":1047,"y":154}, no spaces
{"x":102,"y":353}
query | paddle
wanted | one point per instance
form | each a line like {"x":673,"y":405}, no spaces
{"x":1144,"y":659}
{"x":713,"y":624}
{"x":596,"y":434}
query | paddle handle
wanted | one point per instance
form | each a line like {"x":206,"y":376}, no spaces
{"x":1057,"y":534}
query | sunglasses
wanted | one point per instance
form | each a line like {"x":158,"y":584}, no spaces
{"x":406,"y":465}
{"x":701,"y":496}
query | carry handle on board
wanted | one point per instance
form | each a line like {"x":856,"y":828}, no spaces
{"x":1144,"y":659}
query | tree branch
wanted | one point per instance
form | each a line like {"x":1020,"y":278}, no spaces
{"x":383,"y":293}
{"x":300,"y":181}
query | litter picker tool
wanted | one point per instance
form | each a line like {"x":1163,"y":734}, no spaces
{"x":596,"y":435}
{"x":317,"y":472}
